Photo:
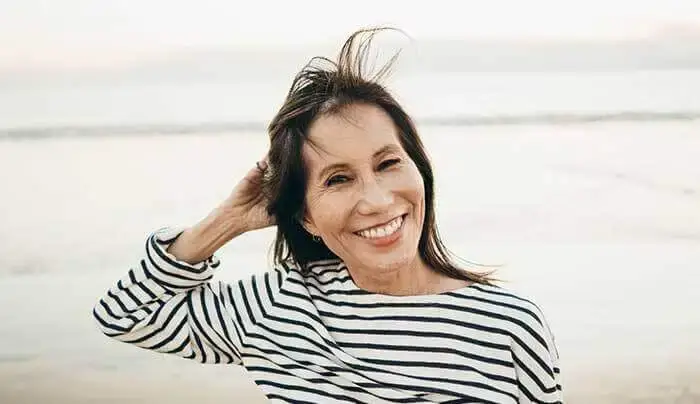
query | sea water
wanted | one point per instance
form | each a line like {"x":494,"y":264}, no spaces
{"x":584,"y":187}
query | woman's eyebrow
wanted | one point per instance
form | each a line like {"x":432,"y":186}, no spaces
{"x":385,"y":149}
{"x":339,"y":166}
{"x":331,"y":167}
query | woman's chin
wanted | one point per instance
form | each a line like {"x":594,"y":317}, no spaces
{"x":389,"y":261}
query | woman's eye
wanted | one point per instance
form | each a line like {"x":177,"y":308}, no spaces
{"x":388,"y":163}
{"x":336,"y":179}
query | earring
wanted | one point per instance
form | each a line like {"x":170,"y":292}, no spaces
{"x":316,"y":238}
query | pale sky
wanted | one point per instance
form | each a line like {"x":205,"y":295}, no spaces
{"x":65,"y":33}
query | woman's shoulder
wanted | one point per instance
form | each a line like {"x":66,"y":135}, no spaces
{"x":509,"y":304}
{"x":504,"y":295}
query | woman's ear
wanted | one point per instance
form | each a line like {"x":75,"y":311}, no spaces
{"x":307,"y":223}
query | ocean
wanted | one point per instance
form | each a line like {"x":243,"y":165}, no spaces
{"x":130,"y":103}
{"x":583,"y":186}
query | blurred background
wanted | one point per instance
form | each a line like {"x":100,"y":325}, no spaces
{"x":565,"y":137}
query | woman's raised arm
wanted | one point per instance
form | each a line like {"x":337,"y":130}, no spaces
{"x":167,"y":302}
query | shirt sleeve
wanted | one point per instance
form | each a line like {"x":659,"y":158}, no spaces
{"x":537,"y":367}
{"x":170,"y":306}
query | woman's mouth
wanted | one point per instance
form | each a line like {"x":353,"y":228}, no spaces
{"x":383,"y":233}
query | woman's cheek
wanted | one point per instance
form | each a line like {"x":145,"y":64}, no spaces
{"x":406,"y":180}
{"x":336,"y":205}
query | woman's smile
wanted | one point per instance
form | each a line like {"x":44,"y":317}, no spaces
{"x":383,"y":234}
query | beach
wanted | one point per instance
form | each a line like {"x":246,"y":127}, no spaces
{"x":599,"y":223}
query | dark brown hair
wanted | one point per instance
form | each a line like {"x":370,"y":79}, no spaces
{"x":322,"y":87}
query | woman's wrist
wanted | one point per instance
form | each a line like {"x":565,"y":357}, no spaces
{"x":202,"y":240}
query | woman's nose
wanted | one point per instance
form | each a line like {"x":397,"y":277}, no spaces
{"x":375,"y":198}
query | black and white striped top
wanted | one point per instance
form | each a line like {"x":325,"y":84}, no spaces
{"x":318,"y":338}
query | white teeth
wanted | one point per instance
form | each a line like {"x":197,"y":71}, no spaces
{"x":382,"y":231}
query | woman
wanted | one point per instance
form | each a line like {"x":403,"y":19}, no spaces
{"x":365,"y":304}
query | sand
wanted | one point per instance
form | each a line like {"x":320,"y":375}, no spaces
{"x":599,"y":223}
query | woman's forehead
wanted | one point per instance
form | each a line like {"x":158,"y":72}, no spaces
{"x":359,"y":131}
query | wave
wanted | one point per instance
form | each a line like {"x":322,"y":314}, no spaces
{"x":561,"y":118}
{"x":257,"y":126}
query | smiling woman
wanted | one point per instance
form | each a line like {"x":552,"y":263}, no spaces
{"x":366,"y":200}
{"x":364,"y":305}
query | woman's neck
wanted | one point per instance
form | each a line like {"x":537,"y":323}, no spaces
{"x":414,"y":279}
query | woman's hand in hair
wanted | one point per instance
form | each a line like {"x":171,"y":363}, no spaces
{"x":247,"y":204}
{"x":244,"y":210}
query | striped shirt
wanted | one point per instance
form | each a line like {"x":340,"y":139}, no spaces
{"x":315,"y":337}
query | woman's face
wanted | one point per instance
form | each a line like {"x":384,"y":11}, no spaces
{"x":365,"y":197}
